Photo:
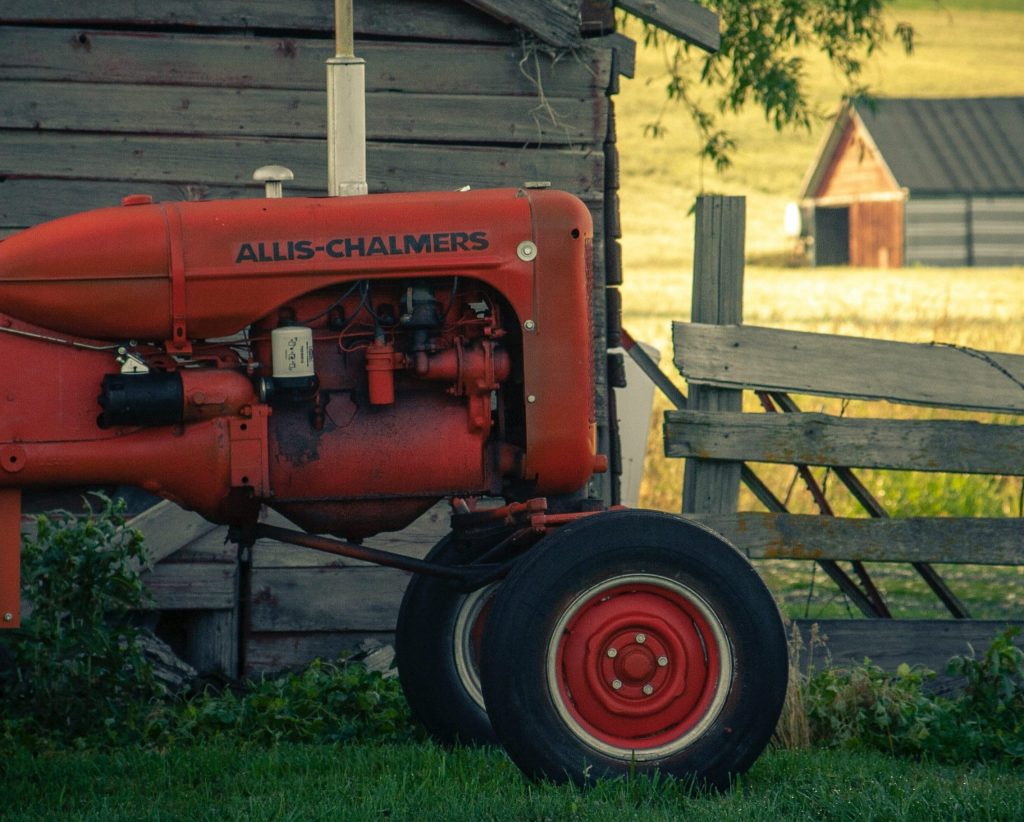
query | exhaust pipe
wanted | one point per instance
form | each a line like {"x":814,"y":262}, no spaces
{"x":346,"y":109}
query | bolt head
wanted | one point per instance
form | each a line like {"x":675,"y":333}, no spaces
{"x":529,"y":325}
{"x":8,"y":617}
{"x":662,"y":661}
{"x":612,"y":652}
{"x":531,"y":398}
{"x":527,"y":251}
{"x":648,"y":689}
{"x":616,"y":684}
{"x":641,"y":638}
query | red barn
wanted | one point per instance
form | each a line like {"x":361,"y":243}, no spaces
{"x":912,"y":181}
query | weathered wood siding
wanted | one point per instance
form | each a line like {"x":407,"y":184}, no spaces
{"x":185,"y":99}
{"x":855,"y":169}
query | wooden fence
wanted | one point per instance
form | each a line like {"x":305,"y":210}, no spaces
{"x":720,"y":358}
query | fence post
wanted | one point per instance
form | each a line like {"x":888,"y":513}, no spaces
{"x":712,"y":486}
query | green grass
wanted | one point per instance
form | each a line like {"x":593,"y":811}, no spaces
{"x":425,"y":782}
{"x":964,"y":48}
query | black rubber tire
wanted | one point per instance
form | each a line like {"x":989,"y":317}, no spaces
{"x":617,"y":564}
{"x":439,"y":695}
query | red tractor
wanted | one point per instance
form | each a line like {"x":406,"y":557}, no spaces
{"x":350,"y":361}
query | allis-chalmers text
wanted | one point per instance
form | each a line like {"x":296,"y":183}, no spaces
{"x":387,"y":244}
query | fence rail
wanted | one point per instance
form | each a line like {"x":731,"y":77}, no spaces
{"x":770,"y":359}
{"x":820,"y":439}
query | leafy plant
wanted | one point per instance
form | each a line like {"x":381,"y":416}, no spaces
{"x":327,"y":702}
{"x":75,"y":667}
{"x":990,"y":714}
{"x":865,"y":707}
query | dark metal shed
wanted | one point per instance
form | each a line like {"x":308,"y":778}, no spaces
{"x":928,"y":181}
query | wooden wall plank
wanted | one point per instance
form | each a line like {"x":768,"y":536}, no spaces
{"x":189,"y":586}
{"x":364,"y":599}
{"x":212,"y":642}
{"x":802,"y":362}
{"x":190,"y":110}
{"x":273,"y":652}
{"x":201,"y":168}
{"x":90,"y":56}
{"x":980,"y":541}
{"x":890,"y":642}
{"x":26,"y":202}
{"x":412,"y":19}
{"x":821,"y":439}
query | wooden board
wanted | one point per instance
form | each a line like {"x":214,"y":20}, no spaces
{"x":362,"y":599}
{"x":554,"y":21}
{"x":189,"y":586}
{"x":690,"y":21}
{"x":210,"y":162}
{"x":890,"y":642}
{"x":717,"y":297}
{"x":805,"y":363}
{"x":980,"y":541}
{"x":238,"y":61}
{"x":212,"y":642}
{"x":202,"y":111}
{"x":273,"y":652}
{"x":820,"y":439}
{"x":413,"y":19}
{"x":166,"y":527}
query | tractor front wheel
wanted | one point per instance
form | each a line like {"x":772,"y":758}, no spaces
{"x":631,"y":642}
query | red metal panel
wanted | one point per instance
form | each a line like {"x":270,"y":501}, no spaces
{"x":329,"y":460}
{"x":10,"y":558}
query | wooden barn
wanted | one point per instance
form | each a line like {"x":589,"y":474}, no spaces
{"x":919,"y":181}
{"x":183,"y":101}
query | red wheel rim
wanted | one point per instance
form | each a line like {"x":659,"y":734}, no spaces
{"x":640,"y":665}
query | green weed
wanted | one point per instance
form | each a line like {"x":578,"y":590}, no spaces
{"x":865,"y":707}
{"x":325,"y":703}
{"x":75,"y":669}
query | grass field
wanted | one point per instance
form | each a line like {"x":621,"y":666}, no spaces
{"x":414,"y":782}
{"x":964,"y":48}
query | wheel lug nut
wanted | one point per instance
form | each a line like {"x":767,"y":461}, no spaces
{"x":616,"y":684}
{"x":662,"y":661}
{"x":612,"y":653}
{"x":641,"y":638}
{"x":648,"y":689}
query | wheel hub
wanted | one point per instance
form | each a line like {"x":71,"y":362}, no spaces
{"x":639,"y":664}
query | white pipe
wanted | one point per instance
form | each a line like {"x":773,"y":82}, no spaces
{"x":346,"y":110}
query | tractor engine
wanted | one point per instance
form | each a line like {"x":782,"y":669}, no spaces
{"x":346,"y":361}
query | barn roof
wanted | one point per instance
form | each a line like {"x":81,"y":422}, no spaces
{"x":964,"y":146}
{"x":558,"y":21}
